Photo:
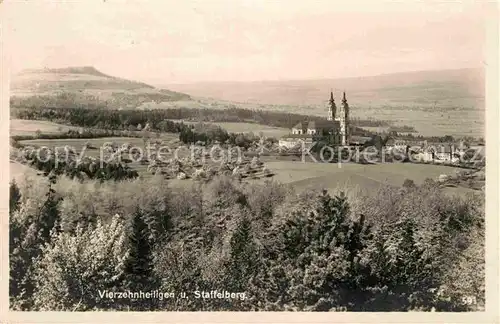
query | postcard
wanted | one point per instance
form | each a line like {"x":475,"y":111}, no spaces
{"x":250,"y":161}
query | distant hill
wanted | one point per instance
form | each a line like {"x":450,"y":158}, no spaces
{"x":89,"y":70}
{"x":85,"y":85}
{"x":449,"y":87}
{"x":435,"y":103}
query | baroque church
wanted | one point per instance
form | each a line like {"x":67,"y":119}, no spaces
{"x":336,"y":127}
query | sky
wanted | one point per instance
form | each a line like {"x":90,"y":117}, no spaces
{"x":164,"y":41}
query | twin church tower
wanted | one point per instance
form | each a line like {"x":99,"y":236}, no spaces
{"x":337,"y":127}
{"x":342,"y":118}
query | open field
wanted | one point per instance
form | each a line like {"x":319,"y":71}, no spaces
{"x":29,"y":127}
{"x":350,"y":175}
{"x":268,"y":131}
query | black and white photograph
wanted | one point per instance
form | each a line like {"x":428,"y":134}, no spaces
{"x":247,"y":156}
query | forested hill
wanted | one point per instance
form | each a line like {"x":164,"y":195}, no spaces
{"x":86,"y":86}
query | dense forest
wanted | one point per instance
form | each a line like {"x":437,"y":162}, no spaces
{"x":131,"y":120}
{"x":162,"y":119}
{"x":121,"y":98}
{"x":84,"y":133}
{"x":395,"y":249}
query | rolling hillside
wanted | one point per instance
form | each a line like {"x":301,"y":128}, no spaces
{"x":436,"y":103}
{"x":412,"y":88}
{"x":86,"y":85}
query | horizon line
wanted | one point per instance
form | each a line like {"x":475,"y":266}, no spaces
{"x":160,"y":84}
{"x":477,"y":67}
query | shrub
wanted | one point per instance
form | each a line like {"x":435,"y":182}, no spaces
{"x":14,"y":197}
{"x":409,"y":184}
{"x":78,"y":266}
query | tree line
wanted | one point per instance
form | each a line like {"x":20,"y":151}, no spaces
{"x":287,"y":251}
{"x":103,"y":118}
{"x":83,"y":134}
{"x":162,"y":119}
{"x":117,"y":99}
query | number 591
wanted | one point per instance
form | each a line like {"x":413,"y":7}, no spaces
{"x":469,"y":300}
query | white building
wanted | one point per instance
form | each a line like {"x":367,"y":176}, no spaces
{"x":444,"y":153}
{"x":293,"y":140}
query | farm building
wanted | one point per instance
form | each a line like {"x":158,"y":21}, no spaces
{"x":403,"y":143}
{"x":359,"y":140}
{"x":426,"y":156}
{"x":389,"y":145}
{"x":444,"y":153}
{"x":292,"y":140}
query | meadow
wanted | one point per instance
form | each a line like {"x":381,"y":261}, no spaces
{"x":267,"y":131}
{"x":30,"y":127}
{"x":332,"y":176}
